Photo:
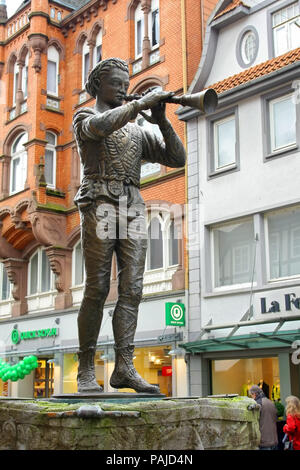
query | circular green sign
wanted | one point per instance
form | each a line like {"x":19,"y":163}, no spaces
{"x":15,"y":336}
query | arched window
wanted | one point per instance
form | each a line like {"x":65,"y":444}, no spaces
{"x":5,"y":285}
{"x":41,"y":278}
{"x":85,"y":62}
{"x":25,"y":77}
{"x":50,"y":159}
{"x":155,"y":245}
{"x":78,"y":265}
{"x":152,"y":18}
{"x":18,"y":169}
{"x":53,"y":71}
{"x":97,"y":53}
{"x":15,"y":84}
{"x":163,"y":237}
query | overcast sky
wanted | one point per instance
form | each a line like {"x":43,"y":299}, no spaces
{"x":12,"y":6}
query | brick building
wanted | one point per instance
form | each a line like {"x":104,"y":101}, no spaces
{"x":47,"y":49}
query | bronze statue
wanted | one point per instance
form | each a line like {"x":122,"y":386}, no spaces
{"x":111,"y":149}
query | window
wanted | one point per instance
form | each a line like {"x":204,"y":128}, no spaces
{"x":282,"y":113}
{"x":85,"y":63}
{"x":15,"y":84}
{"x":18,"y":169}
{"x":50,"y":159}
{"x":139,"y":31}
{"x":247,"y":46}
{"x":53,"y":71}
{"x":25,"y":78}
{"x":286,"y":29}
{"x":97,"y":53}
{"x":162,"y":242}
{"x":78,"y":265}
{"x":283,"y":242}
{"x":154,"y":23}
{"x":5,"y":285}
{"x":224,"y":143}
{"x":233,"y":253}
{"x":41,"y":278}
{"x":52,"y":13}
{"x":149,"y":169}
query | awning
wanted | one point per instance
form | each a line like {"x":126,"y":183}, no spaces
{"x":246,"y":342}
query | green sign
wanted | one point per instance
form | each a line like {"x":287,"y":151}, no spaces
{"x":17,"y":336}
{"x":175,"y":314}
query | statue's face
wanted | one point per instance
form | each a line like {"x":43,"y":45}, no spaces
{"x":113,"y":87}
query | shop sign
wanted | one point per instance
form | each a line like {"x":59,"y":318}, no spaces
{"x":17,"y":336}
{"x":288,"y":302}
{"x":175,"y":314}
{"x":166,"y":371}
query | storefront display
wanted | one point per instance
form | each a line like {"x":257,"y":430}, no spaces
{"x":44,"y":379}
{"x":238,"y":375}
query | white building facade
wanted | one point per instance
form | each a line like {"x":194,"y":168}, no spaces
{"x":244,"y":203}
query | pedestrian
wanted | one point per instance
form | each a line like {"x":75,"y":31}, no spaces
{"x":267,"y":419}
{"x":292,"y":426}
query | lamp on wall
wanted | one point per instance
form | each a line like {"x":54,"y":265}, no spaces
{"x":179,"y":352}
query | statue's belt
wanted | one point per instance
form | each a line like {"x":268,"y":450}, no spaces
{"x":115,"y":187}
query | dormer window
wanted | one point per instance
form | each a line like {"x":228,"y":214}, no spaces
{"x":286,"y":29}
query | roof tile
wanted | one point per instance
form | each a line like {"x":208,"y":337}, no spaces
{"x":257,"y":71}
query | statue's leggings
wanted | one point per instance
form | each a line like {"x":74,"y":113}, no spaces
{"x":105,"y":229}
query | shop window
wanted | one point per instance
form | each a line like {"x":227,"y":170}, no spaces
{"x":18,"y":168}
{"x":283,"y":242}
{"x":50,"y":159}
{"x":53,"y":71}
{"x":44,"y":379}
{"x":5,"y":285}
{"x":286,"y":24}
{"x":233,"y":253}
{"x":236,"y":376}
{"x":41,"y":278}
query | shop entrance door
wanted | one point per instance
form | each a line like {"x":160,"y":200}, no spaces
{"x":43,"y":386}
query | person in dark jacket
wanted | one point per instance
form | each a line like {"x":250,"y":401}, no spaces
{"x":292,"y":427}
{"x":267,"y":420}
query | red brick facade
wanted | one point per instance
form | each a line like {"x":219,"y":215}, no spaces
{"x":42,"y":216}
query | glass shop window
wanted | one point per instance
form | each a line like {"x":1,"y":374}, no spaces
{"x":238,"y":376}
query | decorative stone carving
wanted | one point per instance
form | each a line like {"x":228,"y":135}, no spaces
{"x":17,"y":274}
{"x":61,"y":262}
{"x":38,"y":42}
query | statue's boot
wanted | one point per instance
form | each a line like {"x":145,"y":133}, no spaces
{"x":125,"y":375}
{"x":86,"y":379}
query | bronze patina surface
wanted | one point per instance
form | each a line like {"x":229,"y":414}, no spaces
{"x":111,"y":148}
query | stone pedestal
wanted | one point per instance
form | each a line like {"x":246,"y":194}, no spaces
{"x":163,"y":424}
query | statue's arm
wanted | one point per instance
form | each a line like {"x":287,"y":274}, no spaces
{"x":169,"y":151}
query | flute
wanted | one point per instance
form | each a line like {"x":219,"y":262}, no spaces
{"x":206,"y":100}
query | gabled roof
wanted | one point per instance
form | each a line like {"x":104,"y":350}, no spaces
{"x":257,"y":71}
{"x":232,"y":5}
{"x":75,"y":4}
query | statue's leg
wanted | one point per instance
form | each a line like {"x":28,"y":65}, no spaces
{"x":97,"y":254}
{"x":131,"y":255}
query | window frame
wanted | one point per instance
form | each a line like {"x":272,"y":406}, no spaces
{"x":211,"y":244}
{"x":165,"y":220}
{"x":84,"y":72}
{"x":240,"y":43}
{"x":267,"y":246}
{"x":3,"y":272}
{"x":270,"y":12}
{"x":52,"y":148}
{"x":39,"y":253}
{"x":268,"y":154}
{"x":211,"y":122}
{"x":74,"y":266}
{"x":22,"y":155}
{"x":53,"y":57}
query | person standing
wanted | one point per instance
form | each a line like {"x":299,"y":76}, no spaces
{"x":267,"y":420}
{"x":292,"y":426}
